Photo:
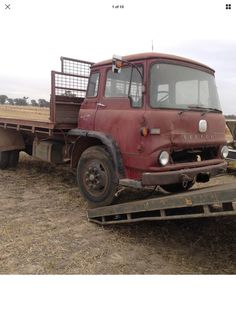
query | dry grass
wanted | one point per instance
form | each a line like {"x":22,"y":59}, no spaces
{"x":44,"y":230}
{"x":24,"y":112}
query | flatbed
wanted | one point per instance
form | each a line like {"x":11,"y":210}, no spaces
{"x":204,"y":202}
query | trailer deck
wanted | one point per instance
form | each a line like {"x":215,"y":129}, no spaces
{"x":204,"y":202}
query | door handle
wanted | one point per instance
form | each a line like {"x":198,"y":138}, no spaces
{"x":100,"y":105}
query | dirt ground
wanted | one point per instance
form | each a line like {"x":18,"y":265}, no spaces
{"x":44,"y":230}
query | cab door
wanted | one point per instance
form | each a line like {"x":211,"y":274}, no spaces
{"x":89,"y":106}
{"x":120,"y":113}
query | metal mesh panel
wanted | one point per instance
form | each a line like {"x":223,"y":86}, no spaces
{"x":76,"y":67}
{"x":70,"y":85}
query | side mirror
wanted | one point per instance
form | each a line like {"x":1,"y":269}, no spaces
{"x":117,"y":64}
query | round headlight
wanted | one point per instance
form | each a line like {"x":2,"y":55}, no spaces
{"x":224,"y":152}
{"x":164,"y":158}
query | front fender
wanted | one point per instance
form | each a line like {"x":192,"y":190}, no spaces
{"x":107,"y":141}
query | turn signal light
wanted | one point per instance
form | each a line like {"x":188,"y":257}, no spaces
{"x":144,"y":131}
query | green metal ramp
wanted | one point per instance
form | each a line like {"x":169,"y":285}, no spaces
{"x":212,"y":201}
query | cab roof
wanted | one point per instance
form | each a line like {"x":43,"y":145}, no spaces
{"x":154,"y":55}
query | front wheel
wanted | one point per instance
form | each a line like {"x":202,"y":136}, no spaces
{"x":96,"y":176}
{"x":178,"y":187}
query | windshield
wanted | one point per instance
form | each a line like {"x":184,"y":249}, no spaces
{"x":180,"y":87}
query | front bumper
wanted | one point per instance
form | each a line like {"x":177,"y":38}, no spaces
{"x":179,"y":176}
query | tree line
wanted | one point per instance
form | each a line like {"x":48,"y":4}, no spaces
{"x":25,"y":101}
{"x":230,"y":116}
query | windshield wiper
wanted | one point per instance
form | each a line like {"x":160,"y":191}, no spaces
{"x":207,"y":109}
{"x":214,"y":109}
{"x":196,"y":107}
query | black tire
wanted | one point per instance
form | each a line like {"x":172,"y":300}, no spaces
{"x":178,"y":187}
{"x":4,"y":160}
{"x":13,"y":158}
{"x":96,"y":176}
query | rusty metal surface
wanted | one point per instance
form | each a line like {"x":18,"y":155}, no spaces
{"x":169,"y":177}
{"x":50,"y":151}
{"x":129,"y":219}
{"x":106,"y":140}
{"x":207,"y":202}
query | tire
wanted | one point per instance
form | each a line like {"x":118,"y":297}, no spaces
{"x":4,"y":160}
{"x":13,"y":158}
{"x":178,"y":187}
{"x":96,"y":176}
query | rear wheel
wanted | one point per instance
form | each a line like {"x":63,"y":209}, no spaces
{"x":4,"y":160}
{"x":96,"y":176}
{"x":13,"y":158}
{"x":178,"y":187}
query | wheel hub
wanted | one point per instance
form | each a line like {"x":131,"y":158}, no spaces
{"x":95,"y":177}
{"x":91,"y":177}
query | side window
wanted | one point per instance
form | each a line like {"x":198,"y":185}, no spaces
{"x":118,"y":85}
{"x":93,"y":85}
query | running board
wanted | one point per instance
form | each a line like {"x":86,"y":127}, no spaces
{"x":205,"y":202}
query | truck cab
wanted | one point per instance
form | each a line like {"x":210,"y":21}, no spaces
{"x":161,"y":115}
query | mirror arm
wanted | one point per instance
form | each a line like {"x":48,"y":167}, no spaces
{"x":136,"y":67}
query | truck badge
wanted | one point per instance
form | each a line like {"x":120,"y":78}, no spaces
{"x":202,"y":127}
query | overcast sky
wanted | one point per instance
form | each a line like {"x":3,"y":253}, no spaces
{"x":34,"y":34}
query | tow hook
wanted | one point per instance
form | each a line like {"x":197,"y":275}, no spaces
{"x":185,"y":180}
{"x":185,"y":184}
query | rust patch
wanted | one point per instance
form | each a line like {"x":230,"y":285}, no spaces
{"x":188,"y":201}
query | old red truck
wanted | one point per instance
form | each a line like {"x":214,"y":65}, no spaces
{"x":142,"y":120}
